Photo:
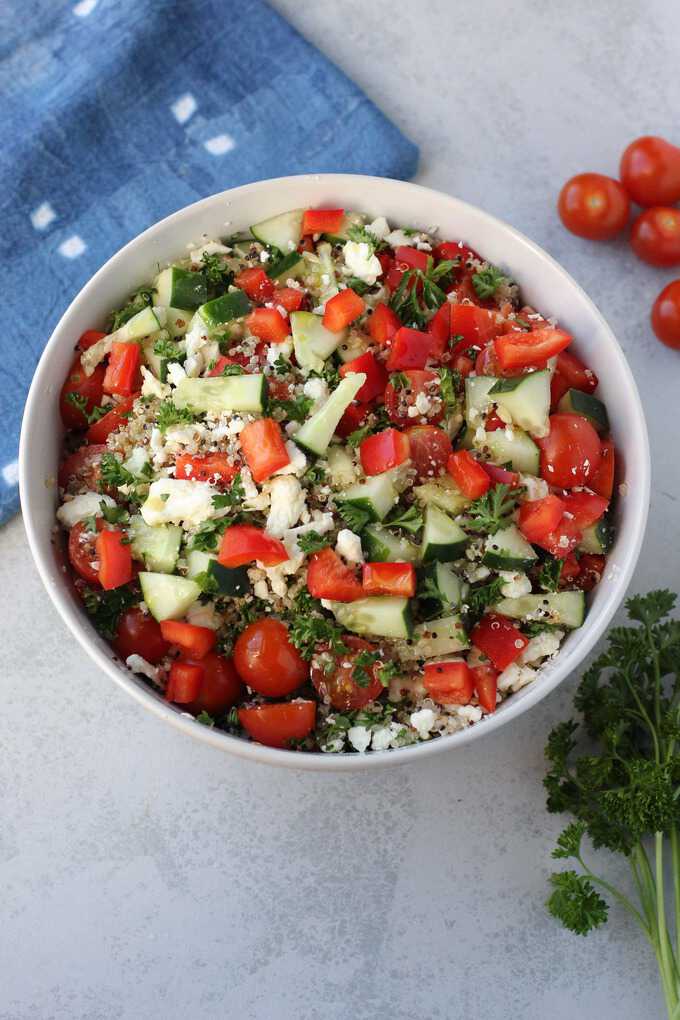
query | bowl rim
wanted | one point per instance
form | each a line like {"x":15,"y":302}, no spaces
{"x":320,"y":761}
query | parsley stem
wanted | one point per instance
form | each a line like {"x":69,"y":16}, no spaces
{"x":618,"y":895}
{"x":675,"y":860}
{"x":669,"y":965}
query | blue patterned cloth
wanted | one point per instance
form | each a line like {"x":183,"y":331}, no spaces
{"x":115,"y":113}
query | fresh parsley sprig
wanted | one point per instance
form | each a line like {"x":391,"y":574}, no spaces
{"x":169,"y":414}
{"x":80,"y":402}
{"x":410,"y":519}
{"x":487,"y":281}
{"x":493,"y":510}
{"x":308,"y":628}
{"x":353,"y":516}
{"x":106,"y":607}
{"x":419,"y":294}
{"x":312,"y":542}
{"x":294,"y":410}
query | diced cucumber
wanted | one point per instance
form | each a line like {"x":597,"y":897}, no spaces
{"x":312,"y":342}
{"x":566,"y":608}
{"x":443,"y":539}
{"x":282,"y":231}
{"x":350,"y":219}
{"x":380,"y":616}
{"x":180,"y":288}
{"x":158,"y":364}
{"x":477,"y":399}
{"x":377,"y":496}
{"x":223,"y":393}
{"x":232,"y":305}
{"x":383,"y":546}
{"x":508,"y":550}
{"x":598,"y":538}
{"x":447,"y":582}
{"x":157,"y":547}
{"x":198,"y":562}
{"x":232,"y":581}
{"x":526,"y":399}
{"x":517,"y":450}
{"x":289,"y":266}
{"x":341,"y":468}
{"x":353,"y":346}
{"x":444,"y":493}
{"x":167,"y":595}
{"x":177,"y":321}
{"x":316,"y":433}
{"x":588,"y":406}
{"x":144,"y":322}
{"x":444,"y":636}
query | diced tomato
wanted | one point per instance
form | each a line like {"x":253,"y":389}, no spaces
{"x":342,"y":309}
{"x":486,"y":362}
{"x":499,"y":475}
{"x":212,"y":467}
{"x":89,"y":338}
{"x":523,"y":350}
{"x":468,"y":474}
{"x":184,"y":682}
{"x":322,"y":221}
{"x":499,"y":639}
{"x":268,"y":324}
{"x":570,"y":374}
{"x":440,"y":330}
{"x":450,"y":251}
{"x":591,"y":569}
{"x":82,"y":552}
{"x":345,"y":688}
{"x":289,"y":298}
{"x":352,"y":419}
{"x":493,"y":423}
{"x":374,"y":370}
{"x":122,"y":372}
{"x":585,"y":507}
{"x":485,"y":679}
{"x":461,"y":363}
{"x":562,"y":540}
{"x":570,"y":453}
{"x":537,"y":518}
{"x":113,"y":420}
{"x":139,"y":634}
{"x":82,"y":467}
{"x":410,"y":349}
{"x":383,"y":324}
{"x":80,"y":385}
{"x":383,"y":451}
{"x":115,"y":559}
{"x":195,"y":641}
{"x":329,"y":578}
{"x":570,"y":568}
{"x":255,"y":283}
{"x":476,"y":326}
{"x":389,"y":579}
{"x":263,"y":448}
{"x":399,"y":400}
{"x":278,"y":724}
{"x":449,"y":683}
{"x":602,"y":481}
{"x":430,"y":449}
{"x":411,"y":258}
{"x":243,"y":543}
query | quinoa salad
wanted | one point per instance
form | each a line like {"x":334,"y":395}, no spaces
{"x":329,"y":485}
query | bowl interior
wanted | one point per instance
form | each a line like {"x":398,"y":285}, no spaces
{"x":544,"y":284}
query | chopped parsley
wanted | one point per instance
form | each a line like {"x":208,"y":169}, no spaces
{"x":358,"y":233}
{"x":388,"y":671}
{"x":308,"y":628}
{"x":450,"y":385}
{"x":410,"y":519}
{"x":359,"y":287}
{"x":233,"y":496}
{"x":362,"y":669}
{"x":233,"y":370}
{"x":487,"y":281}
{"x":492,"y":511}
{"x":218,"y":277}
{"x":282,"y":366}
{"x":139,"y":300}
{"x":114,"y":514}
{"x":294,"y":410}
{"x":550,"y":573}
{"x":485,"y":595}
{"x":107,"y":607}
{"x":413,"y":303}
{"x":399,"y":381}
{"x":168,"y":414}
{"x":205,"y":718}
{"x":113,"y":474}
{"x":165,"y":348}
{"x":314,"y":475}
{"x":353,"y":516}
{"x":80,"y":402}
{"x":312,"y":542}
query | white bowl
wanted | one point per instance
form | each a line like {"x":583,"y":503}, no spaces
{"x":544,"y":284}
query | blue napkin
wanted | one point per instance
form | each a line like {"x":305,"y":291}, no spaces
{"x":116,"y":113}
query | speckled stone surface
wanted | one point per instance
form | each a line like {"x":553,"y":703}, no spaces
{"x":144,"y":875}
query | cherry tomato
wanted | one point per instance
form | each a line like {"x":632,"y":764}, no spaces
{"x":82,"y":551}
{"x":82,"y":467}
{"x":220,"y":687}
{"x":78,"y":384}
{"x":539,"y":517}
{"x":602,"y":482}
{"x":571,"y":374}
{"x":277,"y":725}
{"x":591,"y":569}
{"x":267,"y":661}
{"x":666,"y":315}
{"x":650,"y":171}
{"x":449,"y":683}
{"x":139,"y":634}
{"x":329,"y":578}
{"x":344,"y":689}
{"x":593,"y":206}
{"x":585,"y":507}
{"x":655,"y":236}
{"x":398,"y":401}
{"x":89,"y":338}
{"x":384,"y":450}
{"x":430,"y":450}
{"x":570,"y":454}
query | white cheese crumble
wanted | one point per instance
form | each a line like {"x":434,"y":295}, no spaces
{"x":516,"y":583}
{"x":536,"y":488}
{"x":80,"y":507}
{"x":423,"y":721}
{"x":359,"y":737}
{"x":348,"y":546}
{"x":317,"y":390}
{"x":177,"y":501}
{"x":297,"y":463}
{"x":139,"y":665}
{"x":204,"y":615}
{"x":153,"y":387}
{"x":361,"y":261}
{"x":541,"y":646}
{"x":515,"y":677}
{"x":275,"y":351}
{"x":380,"y":228}
{"x":175,"y":373}
{"x":287,"y":503}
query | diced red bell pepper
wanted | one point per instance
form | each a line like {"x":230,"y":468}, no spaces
{"x":449,"y":251}
{"x":114,"y":558}
{"x":476,"y":326}
{"x":122,"y":371}
{"x":322,"y":221}
{"x":353,"y":418}
{"x":499,"y":475}
{"x":518,"y":350}
{"x":277,"y":725}
{"x":584,"y":507}
{"x":194,"y":641}
{"x":411,"y":258}
{"x":383,"y":451}
{"x":602,"y":481}
{"x":212,"y":467}
{"x":383,"y":324}
{"x":329,"y":578}
{"x":376,"y":375}
{"x":410,"y":349}
{"x":89,"y":338}
{"x":268,"y":324}
{"x":110,"y":422}
{"x":449,"y":683}
{"x":184,"y":682}
{"x":244,"y":543}
{"x":342,"y":309}
{"x":389,"y":579}
{"x":264,"y":448}
{"x":289,"y":298}
{"x":468,"y":474}
{"x":255,"y":283}
{"x":499,"y":639}
{"x":485,"y":679}
{"x":539,"y":517}
{"x":237,"y":358}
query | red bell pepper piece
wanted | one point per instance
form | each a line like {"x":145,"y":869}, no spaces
{"x":468,"y":474}
{"x":383,"y":324}
{"x":585,"y":507}
{"x":263,"y":448}
{"x":383,"y":451}
{"x":114,"y":558}
{"x":517,"y":350}
{"x":194,"y":641}
{"x":389,"y":579}
{"x":329,"y":578}
{"x":255,"y":283}
{"x":499,"y":639}
{"x":539,"y":517}
{"x":410,"y":349}
{"x":485,"y":679}
{"x":184,"y":682}
{"x":289,"y":298}
{"x":342,"y":309}
{"x":322,"y":221}
{"x":244,"y":543}
{"x":89,"y":338}
{"x":268,"y":324}
{"x":449,"y":683}
{"x":122,"y":372}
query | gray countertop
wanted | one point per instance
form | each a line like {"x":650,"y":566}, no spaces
{"x":145,"y":875}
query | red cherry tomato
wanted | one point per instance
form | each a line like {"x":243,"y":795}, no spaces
{"x":278,"y":725}
{"x":220,"y":685}
{"x":268,"y":324}
{"x":571,"y":374}
{"x":255,"y":283}
{"x":585,"y":507}
{"x":122,"y":375}
{"x":346,"y":690}
{"x":430,"y":450}
{"x":139,"y":634}
{"x":593,"y":206}
{"x":398,"y":401}
{"x":485,"y":679}
{"x":289,"y":298}
{"x":537,"y":518}
{"x":78,"y":384}
{"x":449,"y":683}
{"x":411,"y":348}
{"x":666,"y":315}
{"x":82,"y":551}
{"x":650,"y":171}
{"x":82,"y":467}
{"x":591,"y":569}
{"x":602,"y":482}
{"x":562,"y":540}
{"x":655,"y":236}
{"x":89,"y":338}
{"x":570,"y":454}
{"x":115,"y":559}
{"x":266,"y":660}
{"x":211,"y":467}
{"x":329,"y":578}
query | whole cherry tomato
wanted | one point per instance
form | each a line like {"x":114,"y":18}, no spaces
{"x":593,"y":206}
{"x":349,"y":685}
{"x":139,"y":634}
{"x":82,"y":552}
{"x":220,"y":685}
{"x":650,"y":171}
{"x":666,"y":315}
{"x":655,"y":236}
{"x":267,"y":661}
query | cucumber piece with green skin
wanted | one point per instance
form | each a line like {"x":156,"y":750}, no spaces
{"x":598,"y":538}
{"x":443,"y":539}
{"x":283,"y":231}
{"x":167,"y":595}
{"x":290,"y":266}
{"x":157,"y":547}
{"x":140,"y":325}
{"x":518,"y":450}
{"x":508,"y":550}
{"x":177,"y":321}
{"x":445,"y":636}
{"x":222,"y":393}
{"x":232,"y":305}
{"x":447,"y":582}
{"x":232,"y":581}
{"x":379,"y":616}
{"x":180,"y":288}
{"x":157,"y":363}
{"x":588,"y":406}
{"x":377,"y":496}
{"x":566,"y":608}
{"x":526,"y":399}
{"x":312,"y":342}
{"x":444,"y":493}
{"x":350,"y":219}
{"x":382,"y":546}
{"x":316,"y":433}
{"x":198,"y":562}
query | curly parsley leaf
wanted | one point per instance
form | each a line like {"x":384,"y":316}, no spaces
{"x":230,"y":370}
{"x":410,"y":519}
{"x":139,"y":300}
{"x":549,"y":573}
{"x":312,"y":542}
{"x":233,"y":496}
{"x":361,"y":235}
{"x":309,"y":628}
{"x":575,"y":902}
{"x":106,"y":607}
{"x":168,"y":414}
{"x":168,"y":349}
{"x":487,"y":281}
{"x":362,"y":669}
{"x":493,"y":510}
{"x":80,"y":402}
{"x":217,"y":275}
{"x":485,"y":595}
{"x":293,"y":410}
{"x":112,"y":473}
{"x":353,"y":516}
